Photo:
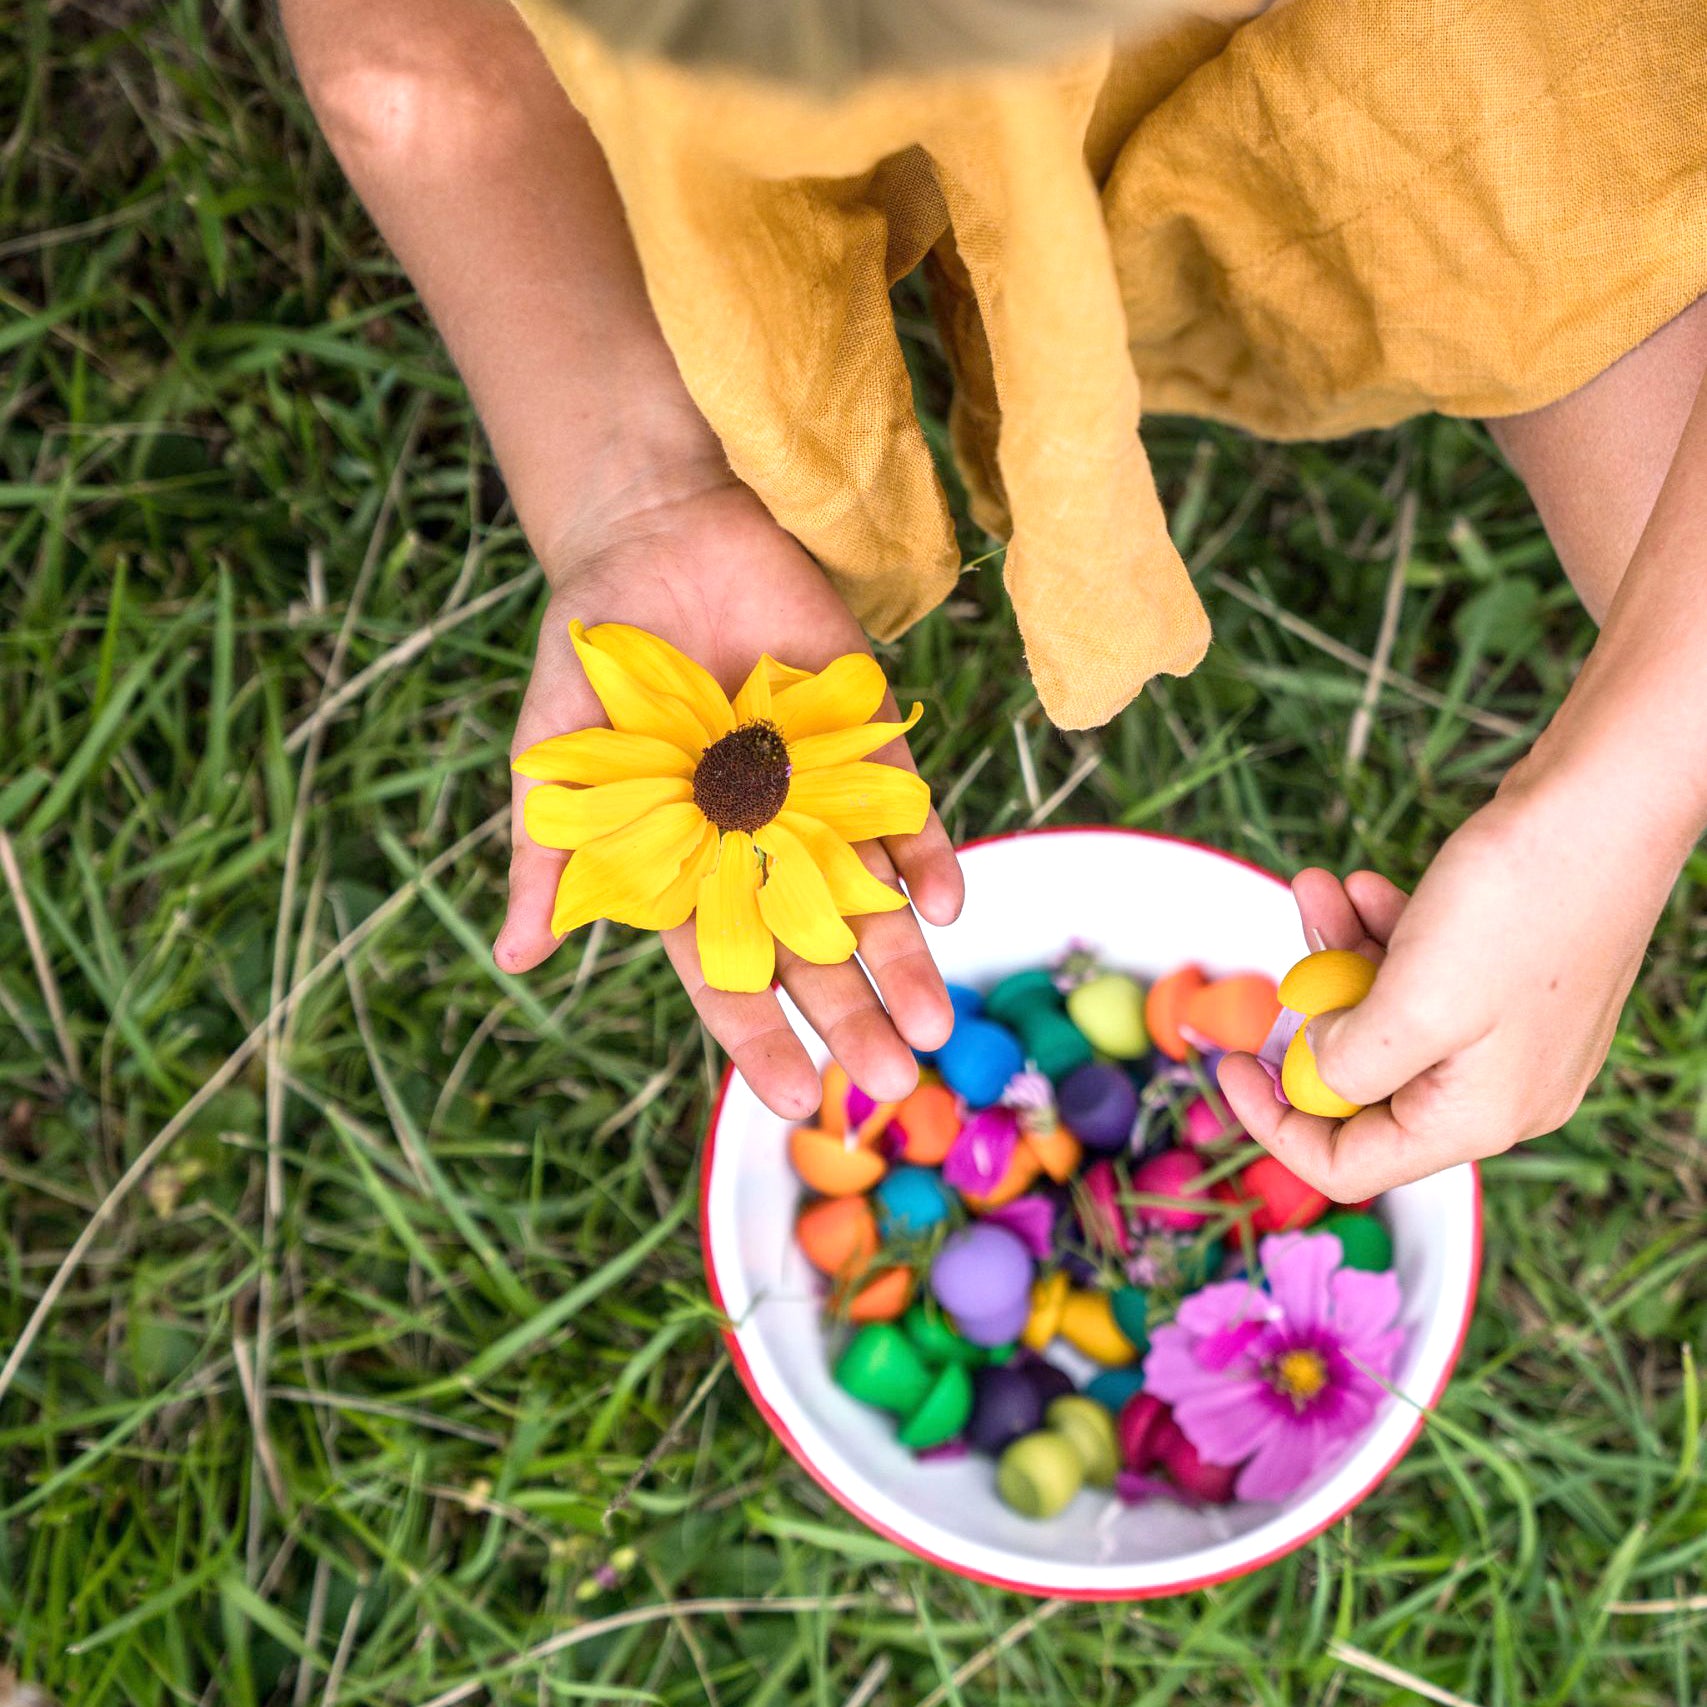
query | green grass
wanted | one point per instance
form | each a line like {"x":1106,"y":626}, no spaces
{"x":443,"y":1217}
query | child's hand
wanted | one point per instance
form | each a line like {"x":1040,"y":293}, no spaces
{"x":1500,"y":985}
{"x":712,"y":573}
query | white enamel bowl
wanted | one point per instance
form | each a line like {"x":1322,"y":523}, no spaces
{"x":1150,"y":904}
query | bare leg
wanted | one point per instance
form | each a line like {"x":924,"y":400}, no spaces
{"x":1594,"y":460}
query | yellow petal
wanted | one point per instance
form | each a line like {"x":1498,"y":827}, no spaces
{"x":631,"y":705}
{"x":753,"y":701}
{"x":628,"y":875}
{"x":657,"y":665}
{"x":862,"y":800}
{"x":601,"y":755}
{"x":795,"y":902}
{"x":678,"y":901}
{"x":785,"y":675}
{"x":735,"y":947}
{"x":852,"y":887}
{"x":846,"y":691}
{"x":842,"y":746}
{"x":571,"y":817}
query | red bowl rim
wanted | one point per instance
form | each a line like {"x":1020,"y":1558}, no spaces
{"x":1153,"y":1591}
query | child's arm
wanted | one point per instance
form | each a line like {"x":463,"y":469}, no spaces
{"x":495,"y":198}
{"x":1505,"y":974}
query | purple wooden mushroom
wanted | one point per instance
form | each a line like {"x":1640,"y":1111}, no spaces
{"x":1005,"y":1404}
{"x":982,"y":1277}
{"x":1098,"y":1104}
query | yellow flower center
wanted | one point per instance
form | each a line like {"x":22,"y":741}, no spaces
{"x":741,"y":780}
{"x":1300,"y":1375}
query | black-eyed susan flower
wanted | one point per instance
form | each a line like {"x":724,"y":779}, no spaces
{"x":743,"y":812}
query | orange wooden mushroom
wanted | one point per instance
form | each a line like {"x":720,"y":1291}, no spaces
{"x":1058,"y":1152}
{"x":930,"y":1120}
{"x":882,"y":1298}
{"x":838,"y":1166}
{"x":1164,"y":1008}
{"x":1232,"y":1013}
{"x":838,"y":1235}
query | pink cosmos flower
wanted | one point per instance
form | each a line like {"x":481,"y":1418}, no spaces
{"x":1279,"y":1381}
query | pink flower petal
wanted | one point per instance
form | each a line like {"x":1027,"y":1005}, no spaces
{"x":1214,"y":1363}
{"x":1330,"y":1437}
{"x":1224,"y":1304}
{"x":1229,"y":1422}
{"x":1382,"y":1355}
{"x":1273,"y":1072}
{"x":1283,"y":1464}
{"x":1348,"y":1407}
{"x":1296,"y":1267}
{"x":1280,"y":1034}
{"x":1231,"y":1347}
{"x":1171,"y":1369}
{"x":1364,"y":1305}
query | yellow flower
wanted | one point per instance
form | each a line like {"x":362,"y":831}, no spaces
{"x":743,"y":812}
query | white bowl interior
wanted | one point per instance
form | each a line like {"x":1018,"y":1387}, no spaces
{"x":1149,"y":904}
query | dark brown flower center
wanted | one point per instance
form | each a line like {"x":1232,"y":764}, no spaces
{"x":741,"y":781}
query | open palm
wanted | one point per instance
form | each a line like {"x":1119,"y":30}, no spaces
{"x":715,"y":576}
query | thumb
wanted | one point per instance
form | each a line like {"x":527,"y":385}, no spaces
{"x":557,"y":700}
{"x":1367,"y":1052}
{"x":526,"y":938}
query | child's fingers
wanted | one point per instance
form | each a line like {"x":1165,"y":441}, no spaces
{"x":927,"y":864}
{"x":1346,"y":1160}
{"x":1352,"y":1160}
{"x":1394,"y":1035}
{"x":842,"y":1007}
{"x":1250,"y":1094}
{"x":892,"y":949}
{"x":752,"y":1032}
{"x":1379,"y":903}
{"x":1331,"y":917}
{"x":1361,"y":913}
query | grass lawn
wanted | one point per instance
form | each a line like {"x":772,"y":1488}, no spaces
{"x":389,"y":1376}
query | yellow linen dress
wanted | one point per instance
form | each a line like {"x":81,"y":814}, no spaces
{"x":1328,"y":217}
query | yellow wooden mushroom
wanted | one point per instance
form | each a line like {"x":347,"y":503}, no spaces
{"x":1318,"y":984}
